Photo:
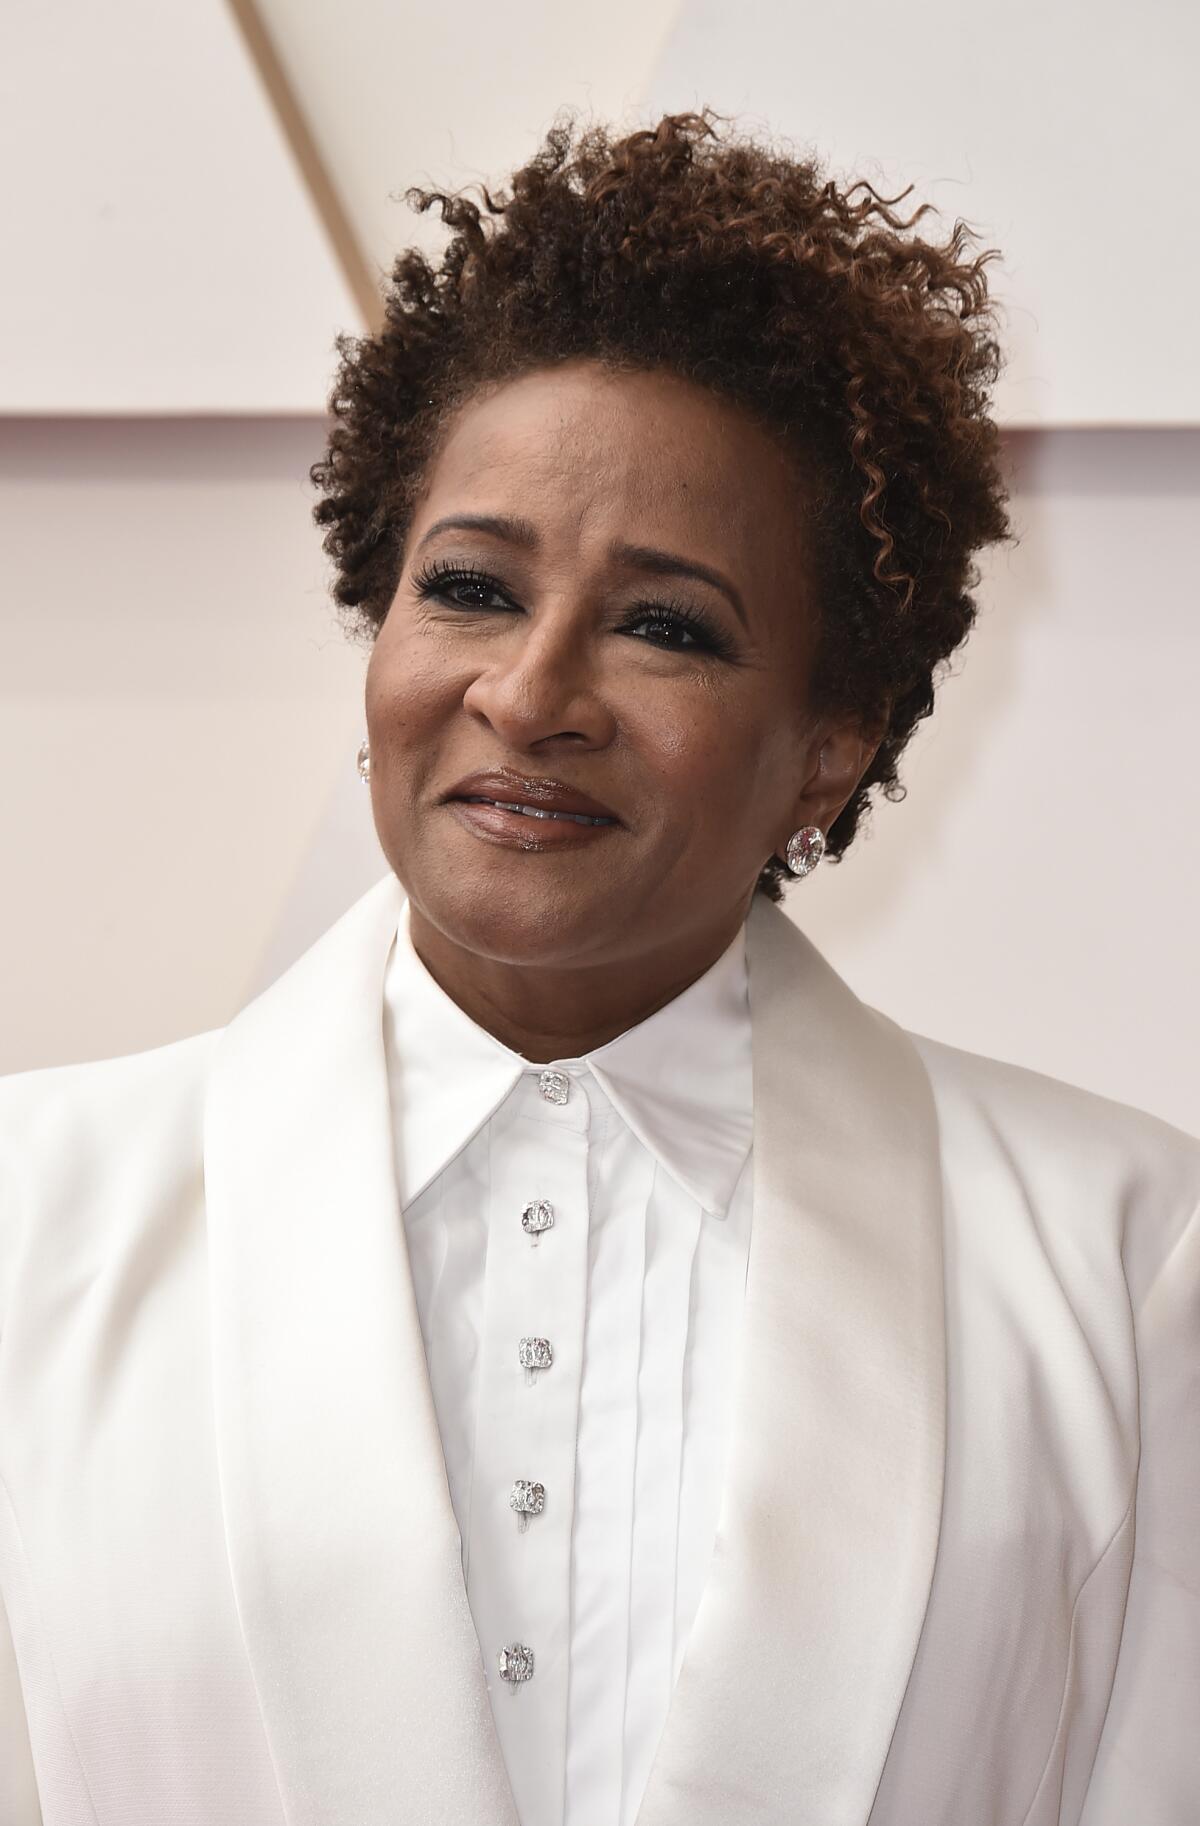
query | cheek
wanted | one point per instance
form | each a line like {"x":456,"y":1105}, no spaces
{"x":707,"y":749}
{"x":408,"y":695}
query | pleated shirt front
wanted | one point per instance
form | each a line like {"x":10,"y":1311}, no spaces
{"x":598,"y":1209}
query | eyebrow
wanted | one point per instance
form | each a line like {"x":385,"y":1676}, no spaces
{"x":646,"y":558}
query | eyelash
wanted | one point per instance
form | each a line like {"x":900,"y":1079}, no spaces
{"x":441,"y":575}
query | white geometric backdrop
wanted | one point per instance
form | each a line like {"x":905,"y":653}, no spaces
{"x":200,"y":197}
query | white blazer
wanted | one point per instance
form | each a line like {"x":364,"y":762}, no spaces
{"x":956,"y":1579}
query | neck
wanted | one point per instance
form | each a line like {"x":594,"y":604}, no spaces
{"x":563,"y":1012}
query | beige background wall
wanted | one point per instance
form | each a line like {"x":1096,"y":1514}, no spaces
{"x":175,"y":700}
{"x":179,"y":812}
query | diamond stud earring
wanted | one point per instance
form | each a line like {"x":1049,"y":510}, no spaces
{"x":805,"y":849}
{"x":364,"y":763}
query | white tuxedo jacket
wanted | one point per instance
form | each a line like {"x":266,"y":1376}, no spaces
{"x":956,"y":1579}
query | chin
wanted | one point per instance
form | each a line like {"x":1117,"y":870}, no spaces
{"x":511,"y":922}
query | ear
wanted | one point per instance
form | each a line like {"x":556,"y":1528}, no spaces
{"x":836,"y":758}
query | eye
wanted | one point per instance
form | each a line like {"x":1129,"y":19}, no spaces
{"x":442,"y":578}
{"x":678,"y":628}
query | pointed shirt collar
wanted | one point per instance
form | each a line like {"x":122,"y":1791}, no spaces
{"x":681,"y":1079}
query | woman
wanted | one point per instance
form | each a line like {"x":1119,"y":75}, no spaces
{"x":557,"y":1356}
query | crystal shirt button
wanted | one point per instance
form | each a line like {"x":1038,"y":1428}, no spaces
{"x":537,"y":1216}
{"x":527,"y":1498}
{"x":554,"y":1086}
{"x":516,"y":1663}
{"x":534,"y":1354}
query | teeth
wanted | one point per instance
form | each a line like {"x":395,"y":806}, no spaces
{"x":534,"y":811}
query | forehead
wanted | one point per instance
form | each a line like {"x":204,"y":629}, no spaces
{"x":584,"y":451}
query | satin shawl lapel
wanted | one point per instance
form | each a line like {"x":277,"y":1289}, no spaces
{"x":805,"y":1636}
{"x":344,"y":1551}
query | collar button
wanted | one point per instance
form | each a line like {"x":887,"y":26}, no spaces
{"x":555,"y":1087}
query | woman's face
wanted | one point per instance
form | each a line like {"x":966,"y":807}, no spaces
{"x":628,"y":637}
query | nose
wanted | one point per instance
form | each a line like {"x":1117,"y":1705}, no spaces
{"x":538,"y":684}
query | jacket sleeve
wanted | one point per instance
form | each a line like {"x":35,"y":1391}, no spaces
{"x":1147,"y":1765}
{"x":19,"y":1803}
{"x":18,"y":1790}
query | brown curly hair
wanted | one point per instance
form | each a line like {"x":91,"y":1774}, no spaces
{"x":869,"y":356}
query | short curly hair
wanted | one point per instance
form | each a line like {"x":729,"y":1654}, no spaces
{"x":868,"y":355}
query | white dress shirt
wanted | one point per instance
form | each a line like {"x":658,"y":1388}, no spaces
{"x":637,"y":1285}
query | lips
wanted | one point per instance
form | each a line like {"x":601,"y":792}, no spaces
{"x":539,"y":799}
{"x":533,"y":811}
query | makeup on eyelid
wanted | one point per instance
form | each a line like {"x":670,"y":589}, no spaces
{"x":436,"y":578}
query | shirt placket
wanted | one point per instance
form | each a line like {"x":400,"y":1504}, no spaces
{"x":531,"y":1356}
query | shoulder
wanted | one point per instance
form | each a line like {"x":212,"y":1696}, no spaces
{"x":105,"y":1136}
{"x":1027,"y":1096}
{"x":37,"y":1107}
{"x":1073,"y":1160}
{"x":1024,"y":1103}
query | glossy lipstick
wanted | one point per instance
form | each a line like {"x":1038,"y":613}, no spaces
{"x":528,"y":811}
